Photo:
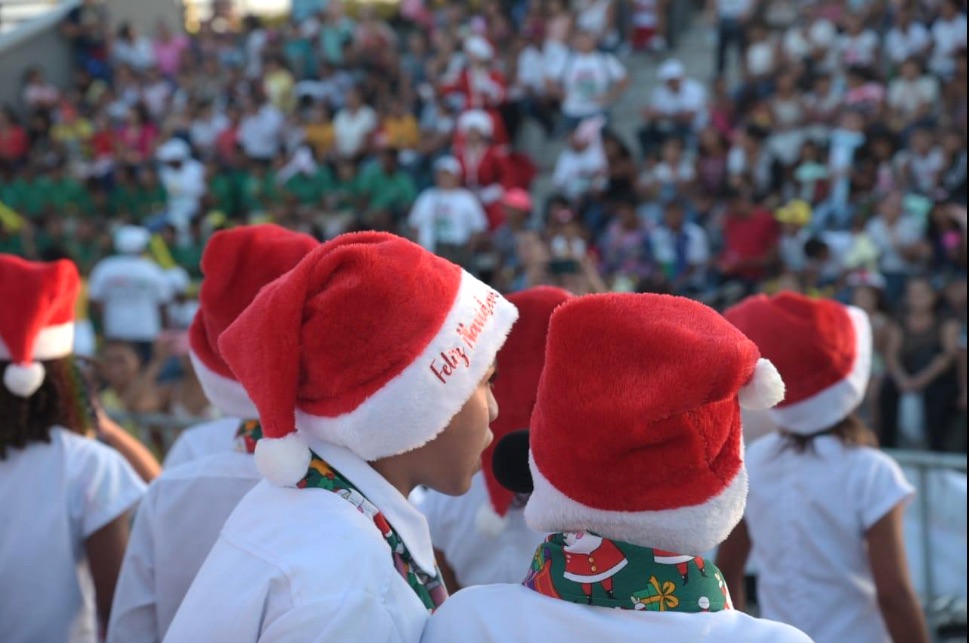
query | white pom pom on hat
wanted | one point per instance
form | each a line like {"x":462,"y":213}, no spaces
{"x":488,"y":522}
{"x":23,"y":380}
{"x":283,"y":461}
{"x":765,"y":388}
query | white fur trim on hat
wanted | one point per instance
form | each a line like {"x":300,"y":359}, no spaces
{"x":765,"y":388}
{"x":415,"y":406}
{"x":23,"y":380}
{"x":685,"y":530}
{"x":476,"y":119}
{"x":52,"y":342}
{"x":283,"y":461}
{"x":828,"y":407}
{"x":479,"y":47}
{"x":226,"y":394}
{"x":488,"y":522}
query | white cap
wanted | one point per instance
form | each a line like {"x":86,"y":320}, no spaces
{"x":671,"y":69}
{"x":173,"y":150}
{"x":448,"y":164}
{"x":479,"y":47}
{"x":131,"y":239}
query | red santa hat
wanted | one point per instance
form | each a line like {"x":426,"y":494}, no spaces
{"x":236,"y":264}
{"x":821,"y":348}
{"x":371,"y":343}
{"x":636,"y":433}
{"x":519,"y":366}
{"x":36,"y":318}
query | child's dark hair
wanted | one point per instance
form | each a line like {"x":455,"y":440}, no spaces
{"x":850,"y":431}
{"x":62,"y":400}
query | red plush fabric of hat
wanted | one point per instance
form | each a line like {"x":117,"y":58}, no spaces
{"x":236,"y":264}
{"x":370,"y":343}
{"x":636,"y":432}
{"x":822,"y":350}
{"x":520,"y":365}
{"x":36,"y":318}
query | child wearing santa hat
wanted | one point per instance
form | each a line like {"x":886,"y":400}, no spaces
{"x":825,"y":506}
{"x":184,"y":509}
{"x":637,"y":466}
{"x":481,"y":537}
{"x":370,"y":366}
{"x":65,"y":497}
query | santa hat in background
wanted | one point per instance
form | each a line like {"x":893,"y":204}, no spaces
{"x":519,"y":368}
{"x":477,"y":46}
{"x":236,"y":264}
{"x":371,"y":343}
{"x":636,"y":433}
{"x":36,"y":318}
{"x":476,"y":119}
{"x":822,"y":350}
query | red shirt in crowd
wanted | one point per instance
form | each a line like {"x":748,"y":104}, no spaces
{"x":13,"y":143}
{"x":747,"y":240}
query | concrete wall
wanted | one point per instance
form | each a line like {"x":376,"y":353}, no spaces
{"x":145,"y":14}
{"x":36,"y":42}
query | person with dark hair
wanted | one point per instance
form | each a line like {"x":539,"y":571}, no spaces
{"x":921,"y":387}
{"x":825,"y":507}
{"x":65,"y":497}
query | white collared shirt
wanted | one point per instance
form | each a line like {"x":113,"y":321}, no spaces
{"x":516,"y":614}
{"x":176,"y":525}
{"x":305,"y":565}
{"x":201,"y":440}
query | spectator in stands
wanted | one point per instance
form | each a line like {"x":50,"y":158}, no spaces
{"x":898,"y":235}
{"x":129,"y":292}
{"x":354,"y":126}
{"x":948,"y":38}
{"x":14,"y":144}
{"x":677,"y":108}
{"x":387,"y":191}
{"x":39,"y":95}
{"x":587,"y":81}
{"x":921,"y":353}
{"x":132,"y":49}
{"x":448,"y":219}
{"x":750,"y":240}
{"x":730,"y":18}
{"x":86,"y":27}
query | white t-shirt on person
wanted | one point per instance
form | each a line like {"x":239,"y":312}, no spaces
{"x":585,"y":79}
{"x":901,"y":45}
{"x":691,"y":97}
{"x":132,"y":290}
{"x":53,"y":497}
{"x":808,"y":515}
{"x":202,"y":440}
{"x":447,"y":216}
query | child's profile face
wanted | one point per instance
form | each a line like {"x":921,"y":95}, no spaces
{"x":448,"y":462}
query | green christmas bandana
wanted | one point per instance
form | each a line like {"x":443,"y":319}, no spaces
{"x":586,"y":568}
{"x":430,"y":589}
{"x":248,"y":434}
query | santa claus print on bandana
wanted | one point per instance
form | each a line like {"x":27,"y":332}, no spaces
{"x":586,"y":568}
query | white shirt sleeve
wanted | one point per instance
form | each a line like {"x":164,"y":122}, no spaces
{"x":163,"y":287}
{"x":615,"y":69}
{"x":881,"y":486}
{"x":104,"y":486}
{"x":477,"y":220}
{"x":134,"y":615}
{"x":421,"y":219}
{"x":96,"y":283}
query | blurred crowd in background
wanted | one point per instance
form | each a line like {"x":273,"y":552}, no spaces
{"x":822,"y":150}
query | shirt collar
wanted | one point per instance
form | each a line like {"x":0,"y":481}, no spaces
{"x":407,"y":521}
